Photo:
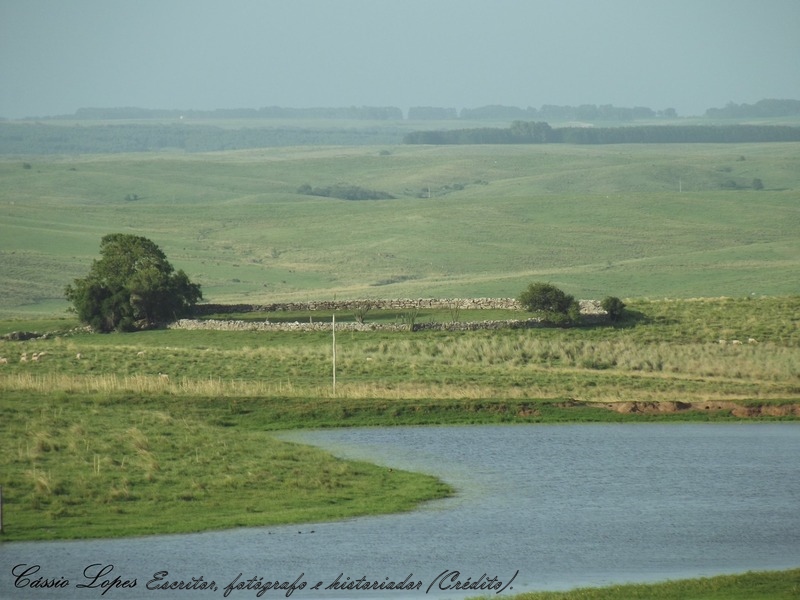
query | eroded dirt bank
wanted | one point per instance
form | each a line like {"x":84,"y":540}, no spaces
{"x":737,"y":409}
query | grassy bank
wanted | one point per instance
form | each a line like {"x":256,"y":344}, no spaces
{"x":778,"y":585}
{"x":102,"y":465}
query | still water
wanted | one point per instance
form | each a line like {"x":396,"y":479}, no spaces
{"x":538,"y":507}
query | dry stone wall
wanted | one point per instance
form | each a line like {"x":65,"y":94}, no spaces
{"x":238,"y":325}
{"x":351,"y":305}
{"x":590,"y":312}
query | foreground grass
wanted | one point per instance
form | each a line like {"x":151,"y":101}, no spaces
{"x":778,"y":585}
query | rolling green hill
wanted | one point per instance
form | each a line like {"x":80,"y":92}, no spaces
{"x":631,"y":221}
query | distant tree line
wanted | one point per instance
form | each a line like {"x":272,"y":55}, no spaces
{"x":548,"y":112}
{"x":44,"y":138}
{"x":493,"y":112}
{"x":522,"y":132}
{"x":97,"y":129}
{"x":767,"y":108}
{"x":431,"y":113}
{"x":552,"y":112}
{"x":377,"y":113}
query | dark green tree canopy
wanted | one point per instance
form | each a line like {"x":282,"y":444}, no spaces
{"x":132,"y":286}
{"x":550,"y":303}
{"x":614,"y":307}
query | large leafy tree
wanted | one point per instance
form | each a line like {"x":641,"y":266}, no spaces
{"x":132,"y":286}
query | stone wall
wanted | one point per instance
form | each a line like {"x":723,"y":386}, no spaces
{"x":351,"y":305}
{"x":587,"y":306}
{"x":238,"y":325}
{"x":590,"y":312}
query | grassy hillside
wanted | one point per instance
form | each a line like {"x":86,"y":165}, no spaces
{"x":632,"y":221}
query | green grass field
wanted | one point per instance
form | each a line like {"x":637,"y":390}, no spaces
{"x":666,"y":350}
{"x":631,"y":221}
{"x":781,"y":585}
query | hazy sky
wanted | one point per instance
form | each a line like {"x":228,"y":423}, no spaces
{"x":59,"y":55}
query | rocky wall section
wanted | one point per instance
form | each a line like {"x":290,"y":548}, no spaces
{"x":591,"y":312}
{"x":238,"y":325}
{"x":351,"y":305}
{"x":588,"y":307}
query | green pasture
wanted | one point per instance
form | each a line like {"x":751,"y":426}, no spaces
{"x":664,"y":350}
{"x":632,"y":221}
{"x":770,"y":585}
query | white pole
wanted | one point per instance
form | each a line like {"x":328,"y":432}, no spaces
{"x":333,"y":330}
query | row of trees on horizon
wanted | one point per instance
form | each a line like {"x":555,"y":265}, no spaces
{"x":532,"y":132}
{"x":50,"y":138}
{"x":585,"y":112}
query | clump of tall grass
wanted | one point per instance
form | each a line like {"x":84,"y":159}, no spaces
{"x":42,"y":483}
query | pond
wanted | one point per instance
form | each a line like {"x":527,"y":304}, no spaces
{"x":539,"y":507}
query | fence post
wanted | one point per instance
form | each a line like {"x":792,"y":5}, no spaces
{"x":333,"y":331}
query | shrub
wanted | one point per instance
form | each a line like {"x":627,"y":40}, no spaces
{"x":550,"y":303}
{"x":360,"y":311}
{"x":614,"y":307}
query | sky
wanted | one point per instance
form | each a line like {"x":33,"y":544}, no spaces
{"x":60,"y":55}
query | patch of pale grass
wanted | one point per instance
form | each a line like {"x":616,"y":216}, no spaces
{"x":137,"y":439}
{"x":647,"y":377}
{"x":63,"y":382}
{"x":41,"y":480}
{"x":435,"y":391}
{"x":147,"y":384}
{"x":763,"y":362}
